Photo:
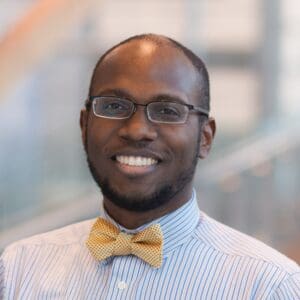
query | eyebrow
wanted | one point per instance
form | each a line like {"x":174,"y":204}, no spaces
{"x":122,"y":93}
{"x":116,"y":92}
{"x":169,"y":98}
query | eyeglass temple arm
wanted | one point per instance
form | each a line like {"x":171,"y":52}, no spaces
{"x":200,"y":110}
{"x":88,"y":101}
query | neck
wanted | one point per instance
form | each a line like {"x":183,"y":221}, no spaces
{"x":134,"y":219}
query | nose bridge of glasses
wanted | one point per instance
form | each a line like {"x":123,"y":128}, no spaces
{"x":135,"y":108}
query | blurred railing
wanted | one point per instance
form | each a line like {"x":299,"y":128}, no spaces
{"x":251,"y":153}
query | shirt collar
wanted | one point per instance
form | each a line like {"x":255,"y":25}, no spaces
{"x":177,"y":226}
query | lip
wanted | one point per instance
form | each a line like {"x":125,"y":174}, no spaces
{"x":134,"y":171}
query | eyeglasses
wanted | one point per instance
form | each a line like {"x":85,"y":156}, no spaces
{"x":169,"y":112}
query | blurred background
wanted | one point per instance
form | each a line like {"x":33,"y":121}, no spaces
{"x":48,"y":49}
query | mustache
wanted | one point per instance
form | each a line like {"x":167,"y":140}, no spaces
{"x":143,"y":144}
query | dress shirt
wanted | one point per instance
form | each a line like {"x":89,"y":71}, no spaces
{"x":202,"y":259}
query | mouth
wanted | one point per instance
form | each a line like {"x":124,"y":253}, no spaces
{"x":137,"y":161}
{"x":136,"y":165}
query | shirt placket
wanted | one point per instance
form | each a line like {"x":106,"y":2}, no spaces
{"x":122,"y":277}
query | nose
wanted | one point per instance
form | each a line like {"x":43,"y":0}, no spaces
{"x":138,"y":127}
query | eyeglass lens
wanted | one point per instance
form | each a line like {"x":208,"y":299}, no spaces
{"x":161,"y":112}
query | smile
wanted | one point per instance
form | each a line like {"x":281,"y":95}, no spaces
{"x":137,"y":161}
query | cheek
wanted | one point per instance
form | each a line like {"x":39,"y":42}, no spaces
{"x":98,"y":137}
{"x":184,"y":142}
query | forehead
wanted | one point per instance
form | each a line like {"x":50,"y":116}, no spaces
{"x":146,"y":68}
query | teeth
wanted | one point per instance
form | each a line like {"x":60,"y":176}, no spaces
{"x":136,"y":160}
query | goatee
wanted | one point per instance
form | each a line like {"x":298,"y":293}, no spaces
{"x":140,"y":203}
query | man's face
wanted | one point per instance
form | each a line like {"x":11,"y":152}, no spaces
{"x":141,"y":165}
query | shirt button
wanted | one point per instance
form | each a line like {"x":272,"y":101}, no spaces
{"x":122,"y":285}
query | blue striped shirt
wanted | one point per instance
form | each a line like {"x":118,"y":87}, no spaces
{"x":202,"y":259}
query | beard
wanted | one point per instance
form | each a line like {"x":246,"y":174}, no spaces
{"x":139,"y":203}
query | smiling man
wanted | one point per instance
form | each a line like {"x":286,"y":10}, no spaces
{"x":145,"y":125}
{"x":144,"y":128}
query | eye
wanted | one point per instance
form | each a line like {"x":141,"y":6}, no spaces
{"x":112,"y":107}
{"x":168,"y":110}
{"x":115,"y":106}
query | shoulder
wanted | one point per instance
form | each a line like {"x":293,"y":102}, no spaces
{"x":47,"y":254}
{"x":235,"y":244}
{"x":69,"y":235}
{"x":243,"y":260}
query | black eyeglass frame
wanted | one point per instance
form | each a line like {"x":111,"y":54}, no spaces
{"x":191,"y":107}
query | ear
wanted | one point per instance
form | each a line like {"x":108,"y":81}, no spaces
{"x":83,"y":124}
{"x":208,"y":130}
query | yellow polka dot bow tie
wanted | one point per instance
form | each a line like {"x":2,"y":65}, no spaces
{"x":107,"y":240}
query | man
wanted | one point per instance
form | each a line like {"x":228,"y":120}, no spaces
{"x":144,"y":127}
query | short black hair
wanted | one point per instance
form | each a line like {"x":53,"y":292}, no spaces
{"x":162,"y":40}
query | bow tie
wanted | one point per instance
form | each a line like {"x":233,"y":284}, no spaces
{"x":107,"y":240}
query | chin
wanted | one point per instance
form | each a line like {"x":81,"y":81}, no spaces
{"x":136,"y":201}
